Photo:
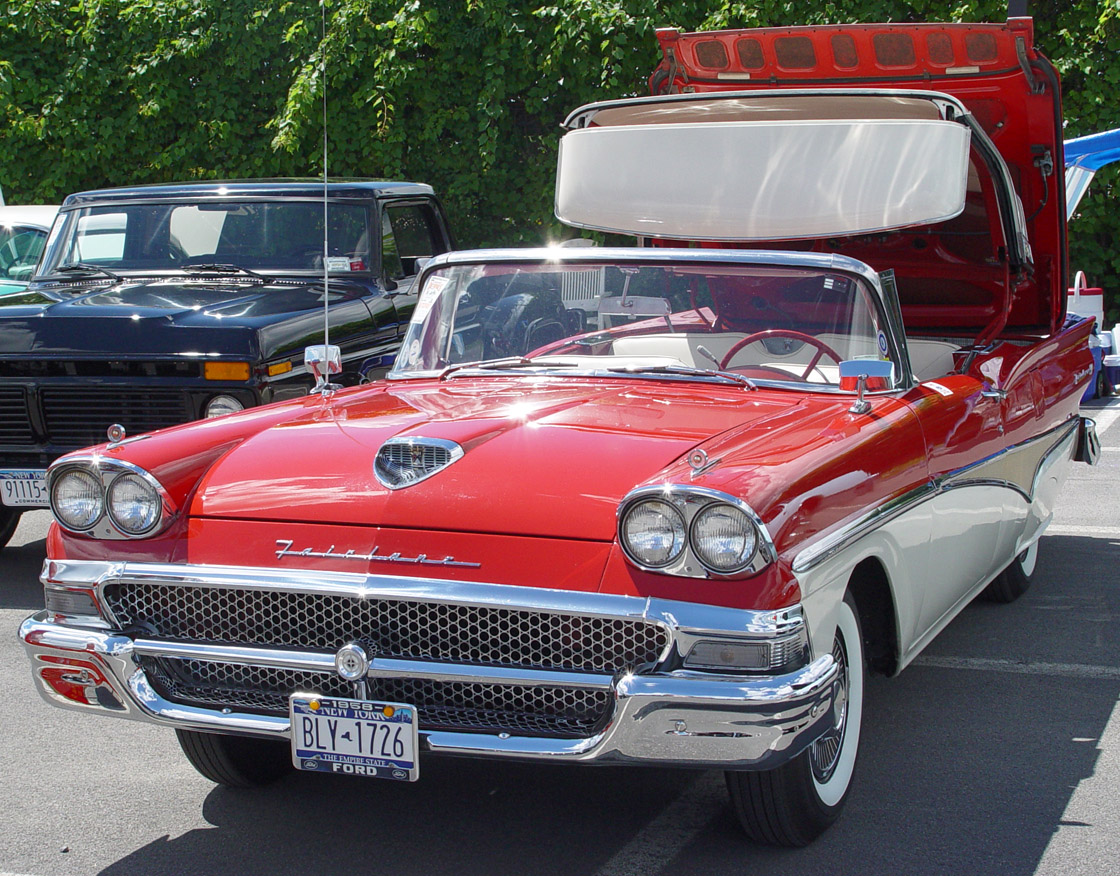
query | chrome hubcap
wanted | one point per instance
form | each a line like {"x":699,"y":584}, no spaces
{"x":824,"y":754}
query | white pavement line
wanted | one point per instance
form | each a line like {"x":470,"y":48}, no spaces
{"x":1062,"y":670}
{"x":1091,"y":814}
{"x":654,"y":847}
{"x":1092,"y":531}
{"x":6,"y":873}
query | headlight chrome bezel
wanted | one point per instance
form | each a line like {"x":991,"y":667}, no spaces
{"x":83,"y":473}
{"x":675,"y":521}
{"x":106,"y":471}
{"x":690,"y":502}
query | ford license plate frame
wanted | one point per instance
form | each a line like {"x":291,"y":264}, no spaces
{"x":354,"y":737}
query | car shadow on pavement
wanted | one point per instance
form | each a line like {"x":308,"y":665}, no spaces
{"x":463,"y":817}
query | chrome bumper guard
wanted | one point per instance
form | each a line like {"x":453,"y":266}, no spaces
{"x":682,"y":717}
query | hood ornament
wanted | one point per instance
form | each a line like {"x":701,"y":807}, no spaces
{"x":115,"y":434}
{"x":699,"y":462}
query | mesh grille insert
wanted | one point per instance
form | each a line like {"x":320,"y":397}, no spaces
{"x":519,"y":709}
{"x":489,"y":636}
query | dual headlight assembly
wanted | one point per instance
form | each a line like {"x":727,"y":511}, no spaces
{"x":107,"y":498}
{"x":693,"y":532}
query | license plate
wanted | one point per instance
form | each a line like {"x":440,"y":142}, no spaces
{"x":24,"y":488}
{"x":354,"y":737}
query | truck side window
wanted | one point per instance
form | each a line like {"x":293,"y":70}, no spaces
{"x":408,"y":232}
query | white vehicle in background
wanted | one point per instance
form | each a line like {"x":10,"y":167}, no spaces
{"x":23,"y":234}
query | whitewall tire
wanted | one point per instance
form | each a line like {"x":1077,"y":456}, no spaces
{"x":793,"y":804}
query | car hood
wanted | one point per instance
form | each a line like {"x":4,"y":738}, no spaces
{"x":541,"y":457}
{"x":148,"y":317}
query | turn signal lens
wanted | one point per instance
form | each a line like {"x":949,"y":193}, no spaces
{"x":653,"y":533}
{"x":134,"y":505}
{"x":724,"y":538}
{"x":226,"y":370}
{"x":77,"y":500}
{"x":728,"y":655}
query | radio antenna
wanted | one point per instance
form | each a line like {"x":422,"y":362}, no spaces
{"x":323,"y":360}
{"x":326,"y":243}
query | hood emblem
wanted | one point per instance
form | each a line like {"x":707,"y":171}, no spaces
{"x":284,"y":549}
{"x":402,"y":462}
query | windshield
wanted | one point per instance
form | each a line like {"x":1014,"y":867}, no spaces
{"x":276,"y":236}
{"x":20,"y":247}
{"x":765,"y":323}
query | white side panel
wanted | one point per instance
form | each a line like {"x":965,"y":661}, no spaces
{"x":762,"y":180}
{"x":967,"y":526}
{"x":902,"y":547}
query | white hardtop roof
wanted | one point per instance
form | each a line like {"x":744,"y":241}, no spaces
{"x":35,"y":214}
{"x":766,"y":165}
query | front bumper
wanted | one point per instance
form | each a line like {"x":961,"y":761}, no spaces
{"x":656,"y":715}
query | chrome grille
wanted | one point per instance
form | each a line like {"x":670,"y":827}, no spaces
{"x":79,"y":416}
{"x":454,"y":633}
{"x":520,"y":709}
{"x":15,"y":423}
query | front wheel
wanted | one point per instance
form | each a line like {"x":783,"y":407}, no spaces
{"x":795,"y":803}
{"x":9,"y":520}
{"x":236,"y":761}
{"x":1015,"y":580}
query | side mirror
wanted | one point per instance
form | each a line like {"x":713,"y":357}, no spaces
{"x":321,"y":362}
{"x":860,"y":375}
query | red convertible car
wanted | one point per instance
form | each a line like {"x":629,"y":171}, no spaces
{"x":664,"y":504}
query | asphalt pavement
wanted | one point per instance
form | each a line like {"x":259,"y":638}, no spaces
{"x":998,"y":752}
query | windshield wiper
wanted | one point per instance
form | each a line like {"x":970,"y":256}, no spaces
{"x":216,"y":268}
{"x":86,"y":268}
{"x":685,"y":371}
{"x":507,"y":364}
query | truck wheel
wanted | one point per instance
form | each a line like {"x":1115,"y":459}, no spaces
{"x":236,"y":761}
{"x":9,"y":520}
{"x":1015,"y":580}
{"x":794,"y":804}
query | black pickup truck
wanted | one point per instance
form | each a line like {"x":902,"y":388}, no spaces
{"x":157,"y":305}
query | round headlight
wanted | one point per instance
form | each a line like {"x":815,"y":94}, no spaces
{"x":723,"y":538}
{"x":134,"y":505}
{"x":223,"y":404}
{"x":77,"y":500}
{"x":653,"y":533}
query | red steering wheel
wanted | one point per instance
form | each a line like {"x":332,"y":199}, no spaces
{"x":822,"y":348}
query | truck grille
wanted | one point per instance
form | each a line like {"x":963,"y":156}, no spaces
{"x":15,"y":424}
{"x":395,"y":628}
{"x":78,"y":416}
{"x":457,"y":706}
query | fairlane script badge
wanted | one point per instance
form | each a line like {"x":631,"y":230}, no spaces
{"x":284,"y":549}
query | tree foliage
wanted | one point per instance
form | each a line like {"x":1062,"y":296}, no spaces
{"x":465,"y":94}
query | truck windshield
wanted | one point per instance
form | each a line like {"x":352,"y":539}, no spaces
{"x":276,"y":237}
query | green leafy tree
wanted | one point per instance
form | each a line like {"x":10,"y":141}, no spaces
{"x":467,"y":95}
